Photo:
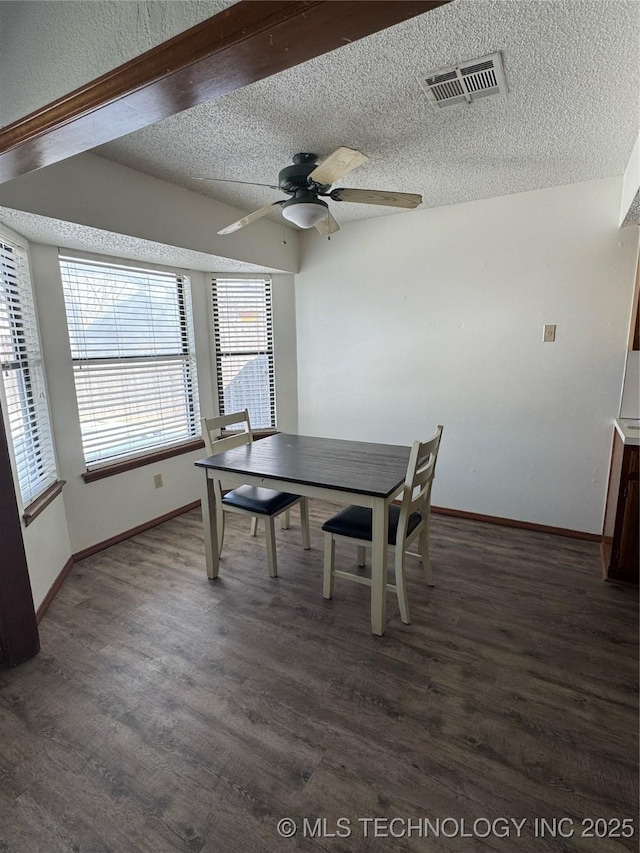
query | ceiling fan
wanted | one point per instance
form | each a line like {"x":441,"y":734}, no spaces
{"x":308,"y":183}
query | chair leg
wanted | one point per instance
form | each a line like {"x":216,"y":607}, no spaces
{"x":423,"y":548}
{"x":304,"y":524}
{"x":285,"y":520}
{"x":403,"y":604}
{"x":270,"y":531}
{"x":254,"y":525}
{"x":362,"y":556}
{"x":329,"y":558}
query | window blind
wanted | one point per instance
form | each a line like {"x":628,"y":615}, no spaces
{"x":131,"y":336}
{"x":23,"y":376}
{"x":243,"y":331}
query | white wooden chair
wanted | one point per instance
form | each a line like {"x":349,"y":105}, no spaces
{"x":407,"y":522}
{"x":253,"y":501}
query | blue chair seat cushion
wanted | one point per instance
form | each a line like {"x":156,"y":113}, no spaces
{"x":259,"y":501}
{"x":355,"y":522}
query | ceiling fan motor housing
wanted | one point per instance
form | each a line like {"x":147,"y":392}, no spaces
{"x":305,"y":196}
{"x":295,"y":177}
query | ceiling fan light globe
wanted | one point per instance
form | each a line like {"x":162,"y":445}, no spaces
{"x":305,"y":214}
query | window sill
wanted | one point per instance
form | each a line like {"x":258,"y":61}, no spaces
{"x":257,"y":433}
{"x":140,"y":461}
{"x":37,"y":506}
{"x":263,"y":433}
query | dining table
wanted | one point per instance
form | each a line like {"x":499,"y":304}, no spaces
{"x":360,"y":473}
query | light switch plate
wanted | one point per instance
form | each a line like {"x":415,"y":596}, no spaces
{"x":549,"y":334}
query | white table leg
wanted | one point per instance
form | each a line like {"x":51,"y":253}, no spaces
{"x":379,"y":533}
{"x":211,"y":551}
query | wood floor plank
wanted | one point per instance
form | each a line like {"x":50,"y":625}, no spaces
{"x":167,"y":712}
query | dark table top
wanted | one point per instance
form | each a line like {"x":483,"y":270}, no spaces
{"x":350,"y":466}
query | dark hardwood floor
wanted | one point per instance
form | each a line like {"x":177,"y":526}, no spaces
{"x":167,"y":712}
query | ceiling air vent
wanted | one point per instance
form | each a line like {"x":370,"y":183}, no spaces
{"x":466,"y":82}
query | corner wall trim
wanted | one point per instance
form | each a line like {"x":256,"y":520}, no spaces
{"x":154,"y":522}
{"x":44,"y":606}
{"x":522,"y":525}
{"x":100,"y":546}
{"x":127,"y":534}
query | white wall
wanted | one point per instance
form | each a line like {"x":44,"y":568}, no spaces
{"x":87,"y":39}
{"x":436,"y":316}
{"x":48,"y":548}
{"x":283,"y":294}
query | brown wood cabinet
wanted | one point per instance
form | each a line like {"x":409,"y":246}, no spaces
{"x":620,"y":542}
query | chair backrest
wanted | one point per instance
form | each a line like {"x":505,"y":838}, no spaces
{"x":212,"y":432}
{"x":416,"y":492}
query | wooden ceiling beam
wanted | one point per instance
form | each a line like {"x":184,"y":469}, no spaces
{"x":249,"y":41}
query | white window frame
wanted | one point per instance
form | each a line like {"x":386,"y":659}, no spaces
{"x":132,"y":445}
{"x":222,"y":287}
{"x":25,"y":405}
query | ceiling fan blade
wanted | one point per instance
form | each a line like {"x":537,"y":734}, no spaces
{"x":336,"y":165}
{"x":408,"y":200}
{"x":229,"y":181}
{"x":251,"y":217}
{"x":328,"y":225}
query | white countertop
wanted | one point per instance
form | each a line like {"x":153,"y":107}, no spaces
{"x":628,"y":430}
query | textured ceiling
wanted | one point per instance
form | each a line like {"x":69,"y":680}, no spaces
{"x":69,"y":235}
{"x":571,"y":113}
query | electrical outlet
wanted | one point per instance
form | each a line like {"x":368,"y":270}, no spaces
{"x":549,"y":334}
{"x":157,"y":481}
